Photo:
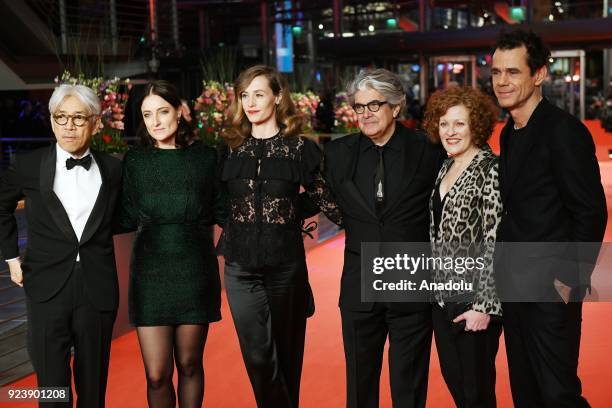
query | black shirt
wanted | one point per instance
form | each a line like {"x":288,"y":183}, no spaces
{"x":516,"y":137}
{"x":437,"y":206}
{"x":368,"y":160}
{"x":263,"y":179}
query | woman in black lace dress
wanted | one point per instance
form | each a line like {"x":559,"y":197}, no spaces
{"x":265,"y":163}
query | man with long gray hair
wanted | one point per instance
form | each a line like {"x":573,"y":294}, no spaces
{"x":382,"y":178}
{"x":68,"y":272}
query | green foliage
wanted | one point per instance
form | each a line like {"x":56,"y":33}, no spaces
{"x":113,"y":94}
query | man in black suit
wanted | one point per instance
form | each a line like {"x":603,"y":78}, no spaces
{"x":382,"y":178}
{"x":551,"y":192}
{"x":68,"y":272}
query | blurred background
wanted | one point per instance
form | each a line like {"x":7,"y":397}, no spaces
{"x":319,"y":44}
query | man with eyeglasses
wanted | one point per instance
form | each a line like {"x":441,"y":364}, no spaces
{"x":68,"y":272}
{"x":382,"y":178}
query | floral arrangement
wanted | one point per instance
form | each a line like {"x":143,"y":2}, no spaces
{"x":346,"y":118}
{"x":212,"y":110}
{"x":113,"y":94}
{"x":306,"y":104}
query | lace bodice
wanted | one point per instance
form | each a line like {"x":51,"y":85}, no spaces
{"x":263,"y":179}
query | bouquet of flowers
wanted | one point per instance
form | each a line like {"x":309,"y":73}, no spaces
{"x":113,"y":94}
{"x":212,"y":110}
{"x":346,"y":118}
{"x":306,"y":104}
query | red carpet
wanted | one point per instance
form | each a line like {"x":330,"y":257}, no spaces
{"x":323,"y":377}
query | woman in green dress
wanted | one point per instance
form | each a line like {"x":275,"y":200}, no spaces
{"x":170,"y":197}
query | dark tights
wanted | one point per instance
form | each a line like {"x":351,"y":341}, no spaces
{"x":164,"y":346}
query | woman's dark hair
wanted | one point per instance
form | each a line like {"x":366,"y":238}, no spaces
{"x":169,"y":93}
{"x":538,"y":53}
{"x":286,"y":113}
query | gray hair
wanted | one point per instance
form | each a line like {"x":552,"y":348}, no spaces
{"x":85,"y":94}
{"x":381,"y":80}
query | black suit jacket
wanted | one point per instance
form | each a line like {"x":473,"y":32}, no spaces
{"x":551,"y":193}
{"x":404,"y":219}
{"x":52,"y":244}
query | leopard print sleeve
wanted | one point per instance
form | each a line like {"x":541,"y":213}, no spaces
{"x":487,"y":300}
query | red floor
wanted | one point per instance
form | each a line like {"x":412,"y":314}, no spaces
{"x":323,"y":376}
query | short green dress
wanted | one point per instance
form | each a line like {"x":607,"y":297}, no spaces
{"x":172,"y":199}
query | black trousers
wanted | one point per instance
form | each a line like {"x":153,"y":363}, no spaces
{"x":365,"y":334}
{"x":543,"y":343}
{"x":70,"y":320}
{"x":269,"y":306}
{"x":467,"y":361}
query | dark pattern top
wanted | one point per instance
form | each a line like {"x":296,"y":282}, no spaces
{"x":263,"y":179}
{"x":171,"y":198}
{"x":471,"y":211}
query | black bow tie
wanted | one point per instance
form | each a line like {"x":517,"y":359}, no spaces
{"x":85,"y":162}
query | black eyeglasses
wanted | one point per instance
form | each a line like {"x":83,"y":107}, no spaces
{"x":77,"y":120}
{"x":373,"y":106}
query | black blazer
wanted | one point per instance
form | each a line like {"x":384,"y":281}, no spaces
{"x":405,"y":218}
{"x":52,"y":244}
{"x":551,"y":193}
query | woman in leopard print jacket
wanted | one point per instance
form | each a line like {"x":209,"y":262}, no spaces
{"x":465,"y":209}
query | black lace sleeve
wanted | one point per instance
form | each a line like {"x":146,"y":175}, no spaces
{"x":314,"y":184}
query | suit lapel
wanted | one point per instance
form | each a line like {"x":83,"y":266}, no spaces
{"x":99,"y":208}
{"x":412,"y":154}
{"x":513,"y":165}
{"x":54,"y":205}
{"x":349,"y":187}
{"x":354,"y":196}
{"x":433,"y":232}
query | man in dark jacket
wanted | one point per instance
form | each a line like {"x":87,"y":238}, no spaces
{"x":68,"y":272}
{"x":382,"y":178}
{"x":552,"y":195}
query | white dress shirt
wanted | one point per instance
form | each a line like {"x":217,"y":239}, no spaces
{"x":77,"y":189}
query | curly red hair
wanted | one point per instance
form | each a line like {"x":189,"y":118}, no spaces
{"x":482,"y":109}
